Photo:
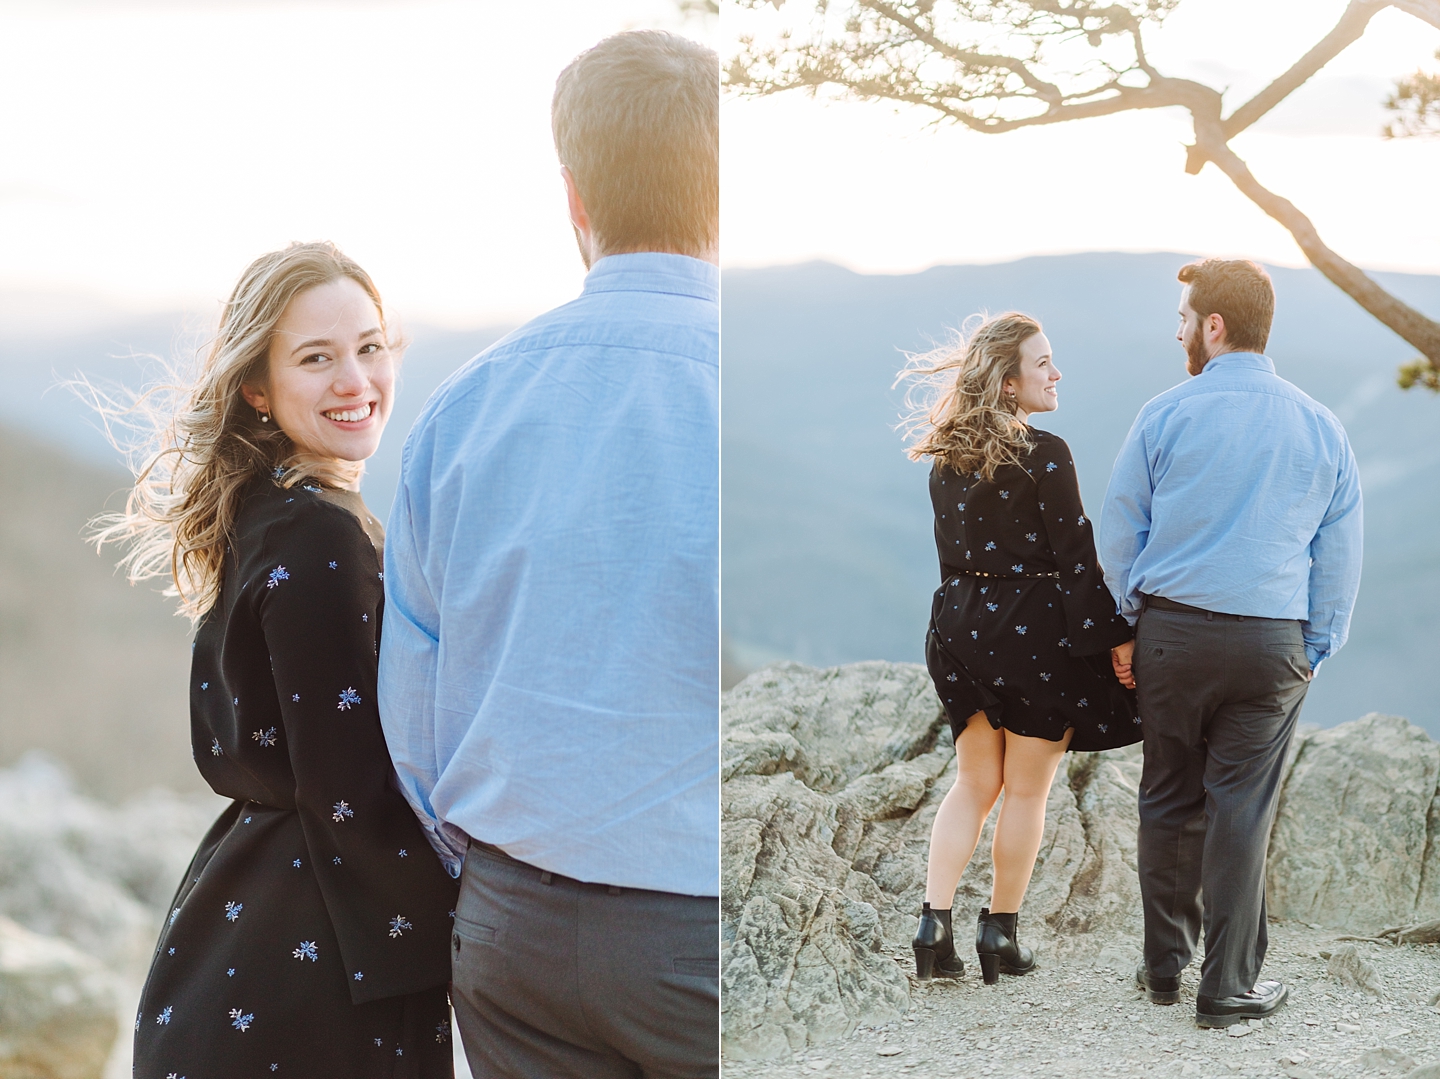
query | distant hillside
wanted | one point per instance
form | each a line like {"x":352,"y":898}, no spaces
{"x":91,"y":669}
{"x":828,"y":549}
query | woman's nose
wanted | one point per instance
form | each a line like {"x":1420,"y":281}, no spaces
{"x":351,"y":378}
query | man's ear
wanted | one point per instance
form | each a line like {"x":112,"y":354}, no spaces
{"x":1215,"y":327}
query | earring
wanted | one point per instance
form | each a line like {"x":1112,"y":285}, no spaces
{"x":264,"y":416}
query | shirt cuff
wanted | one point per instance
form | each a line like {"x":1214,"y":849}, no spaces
{"x":1315,"y":657}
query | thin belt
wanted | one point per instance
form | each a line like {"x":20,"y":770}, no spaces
{"x":1013,"y":576}
{"x":1160,"y":603}
{"x":546,"y":877}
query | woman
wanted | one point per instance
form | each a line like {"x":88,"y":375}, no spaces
{"x":310,"y":936}
{"x":1019,"y":627}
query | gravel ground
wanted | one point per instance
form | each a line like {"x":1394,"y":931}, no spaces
{"x":1087,"y":1019}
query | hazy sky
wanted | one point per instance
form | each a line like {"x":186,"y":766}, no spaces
{"x":880,"y":190}
{"x":152,"y":149}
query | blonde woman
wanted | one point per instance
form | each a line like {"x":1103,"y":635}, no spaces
{"x":1019,"y":628}
{"x":310,"y":936}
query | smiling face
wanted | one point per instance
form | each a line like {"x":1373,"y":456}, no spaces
{"x":1033,"y":388}
{"x":331,"y":376}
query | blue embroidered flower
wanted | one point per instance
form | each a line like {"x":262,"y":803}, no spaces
{"x":967,"y":554}
{"x":1051,"y":467}
{"x":279,"y":472}
{"x":952,"y":677}
{"x":442,"y":1032}
{"x":1064,"y":642}
{"x":1018,"y":568}
{"x":230,"y":973}
{"x":232,"y":910}
{"x":265,"y":738}
{"x":164,"y":1017}
{"x":1083,"y":702}
{"x":359,"y":975}
{"x":173,"y":915}
{"x":347,"y":698}
{"x":306,"y":951}
{"x":974,"y":634}
{"x":215,"y":750}
{"x":1079,"y":568}
{"x":334,"y":565}
{"x":1104,"y":727}
{"x":1032,"y":536}
{"x":278,"y":574}
{"x":1004,"y":494}
{"x":296,"y":863}
{"x":364,"y":618}
{"x":1044,"y":676}
{"x":295,"y":697}
{"x":1021,"y":630}
{"x":240,"y":1020}
{"x":335,"y":860}
{"x":204,"y":685}
{"x":398,"y":925}
{"x":404,"y":853}
{"x":992,"y":606}
{"x":990,"y":546}
{"x":342,"y":812}
{"x":1080,"y":520}
{"x":998,"y":682}
{"x":1087,"y":624}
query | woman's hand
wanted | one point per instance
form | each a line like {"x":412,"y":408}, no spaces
{"x":1120,"y":659}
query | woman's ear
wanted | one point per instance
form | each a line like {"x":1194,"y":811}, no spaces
{"x":255,"y":398}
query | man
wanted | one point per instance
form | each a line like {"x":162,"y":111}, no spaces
{"x":1231,"y":533}
{"x":550,"y":664}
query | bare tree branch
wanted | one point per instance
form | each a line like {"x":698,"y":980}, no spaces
{"x":1351,"y":26}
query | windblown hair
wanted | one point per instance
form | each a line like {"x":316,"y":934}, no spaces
{"x":959,"y":413}
{"x":636,"y":120}
{"x":193,"y":443}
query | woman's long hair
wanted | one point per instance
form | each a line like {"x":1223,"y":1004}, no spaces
{"x":193,"y":443}
{"x":958,"y":412}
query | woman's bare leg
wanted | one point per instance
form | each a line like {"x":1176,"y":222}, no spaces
{"x":979,"y":771}
{"x":1029,"y":766}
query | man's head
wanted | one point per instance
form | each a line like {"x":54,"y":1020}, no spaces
{"x":637,"y":127}
{"x":1227,"y":306}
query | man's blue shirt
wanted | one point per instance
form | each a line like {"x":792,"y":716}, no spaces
{"x":1236,"y":492}
{"x":549,"y":668}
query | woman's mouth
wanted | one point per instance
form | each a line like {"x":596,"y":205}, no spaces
{"x":350,"y":415}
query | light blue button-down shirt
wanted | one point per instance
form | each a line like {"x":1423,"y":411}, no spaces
{"x":1236,"y":492}
{"x":549,"y":668}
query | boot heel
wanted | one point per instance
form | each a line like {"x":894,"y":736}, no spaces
{"x":989,"y":967}
{"x":924,"y":963}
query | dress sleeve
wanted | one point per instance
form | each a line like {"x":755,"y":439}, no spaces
{"x":388,"y":897}
{"x":1092,"y":622}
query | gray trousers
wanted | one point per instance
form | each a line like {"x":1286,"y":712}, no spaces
{"x":1220,"y":696}
{"x":555,"y":979}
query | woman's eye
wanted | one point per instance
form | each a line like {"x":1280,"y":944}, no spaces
{"x":315,"y":357}
{"x":373,"y":346}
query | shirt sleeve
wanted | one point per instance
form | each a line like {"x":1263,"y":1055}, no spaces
{"x":1125,"y":520}
{"x":409,"y":665}
{"x":388,"y":899}
{"x":1092,"y":623}
{"x":1335,"y":558}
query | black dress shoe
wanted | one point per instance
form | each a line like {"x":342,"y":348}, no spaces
{"x":1159,"y":990}
{"x":935,"y":947}
{"x":998,"y":949}
{"x":1261,"y":1001}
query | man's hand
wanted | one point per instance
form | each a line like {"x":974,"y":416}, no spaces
{"x":1120,"y":659}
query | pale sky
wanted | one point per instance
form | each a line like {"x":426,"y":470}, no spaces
{"x":153,"y":149}
{"x":883,"y":190}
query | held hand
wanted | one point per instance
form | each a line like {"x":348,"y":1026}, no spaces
{"x":1120,"y":658}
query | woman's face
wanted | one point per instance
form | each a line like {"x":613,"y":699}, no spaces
{"x":1034,"y":386}
{"x":331,"y":376}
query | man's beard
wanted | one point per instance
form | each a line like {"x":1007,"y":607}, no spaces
{"x":1195,"y":357}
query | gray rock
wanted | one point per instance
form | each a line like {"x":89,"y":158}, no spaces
{"x":1424,"y":1071}
{"x":96,"y":875}
{"x":1351,"y":835}
{"x":1349,"y":968}
{"x":832,"y":780}
{"x":1383,"y":1058}
{"x":831,"y":783}
{"x":57,"y":1008}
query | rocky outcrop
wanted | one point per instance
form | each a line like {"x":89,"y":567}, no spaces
{"x":90,"y":884}
{"x":1356,"y":844}
{"x":57,"y":1008}
{"x":831,"y":783}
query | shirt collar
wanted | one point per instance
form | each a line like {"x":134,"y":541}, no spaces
{"x":655,"y":271}
{"x":1240,"y":361}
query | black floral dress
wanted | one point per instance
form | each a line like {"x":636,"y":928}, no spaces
{"x":310,"y":937}
{"x":1022,"y":623}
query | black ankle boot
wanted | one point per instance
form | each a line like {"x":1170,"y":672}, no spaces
{"x":998,"y":949}
{"x":935,"y":946}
